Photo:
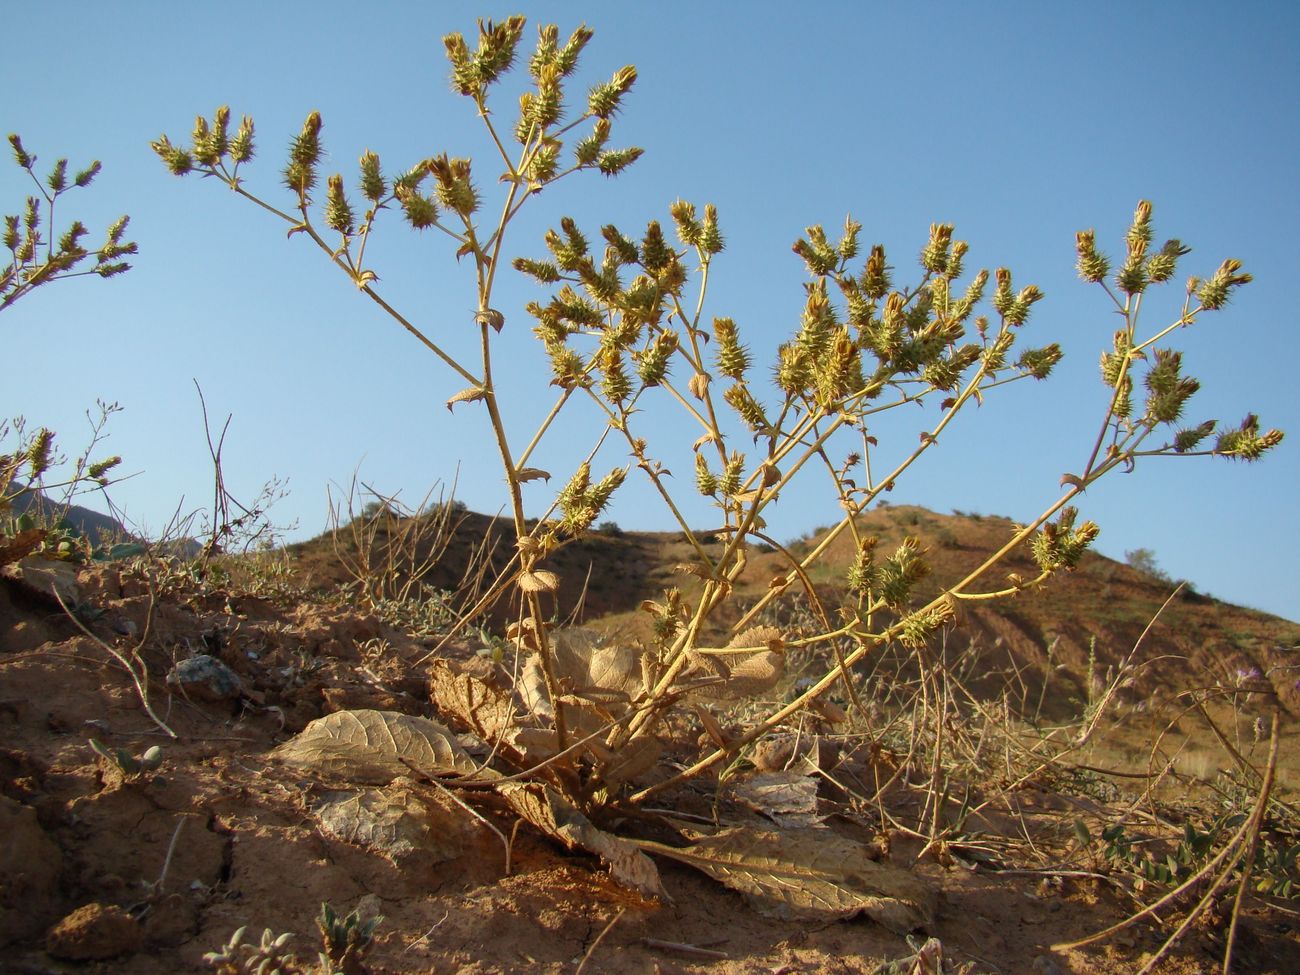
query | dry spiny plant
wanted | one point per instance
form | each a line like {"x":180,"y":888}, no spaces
{"x":583,"y":724}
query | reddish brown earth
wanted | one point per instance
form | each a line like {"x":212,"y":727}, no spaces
{"x":87,"y":884}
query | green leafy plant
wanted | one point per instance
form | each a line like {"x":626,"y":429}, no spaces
{"x":131,"y":766}
{"x":622,"y":325}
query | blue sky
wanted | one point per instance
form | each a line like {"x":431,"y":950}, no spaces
{"x":1020,"y":123}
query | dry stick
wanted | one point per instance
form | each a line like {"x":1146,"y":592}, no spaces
{"x":599,"y":938}
{"x":141,"y":683}
{"x":1251,"y":825}
{"x":1260,"y":810}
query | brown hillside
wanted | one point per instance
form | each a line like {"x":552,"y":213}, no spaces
{"x":1080,"y":626}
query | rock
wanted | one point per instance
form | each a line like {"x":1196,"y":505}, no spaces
{"x":48,"y":577}
{"x":93,"y":933}
{"x":29,"y":873}
{"x":205,"y":678}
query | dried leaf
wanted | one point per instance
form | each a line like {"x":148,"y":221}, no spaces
{"x":396,"y":823}
{"x":788,"y":797}
{"x":526,"y":474}
{"x":21,"y":545}
{"x":810,"y":873}
{"x":374,"y":747}
{"x":542,"y":580}
{"x":699,"y":384}
{"x":488,"y":711}
{"x":559,"y":819}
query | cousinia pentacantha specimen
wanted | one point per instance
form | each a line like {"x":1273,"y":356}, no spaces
{"x":624,"y":326}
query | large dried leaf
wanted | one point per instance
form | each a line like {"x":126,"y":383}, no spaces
{"x":787,"y":797}
{"x":559,"y":819}
{"x":751,"y":664}
{"x":810,"y":873}
{"x":396,"y":823}
{"x":375,"y":747}
{"x":15,"y":547}
{"x":485,"y":709}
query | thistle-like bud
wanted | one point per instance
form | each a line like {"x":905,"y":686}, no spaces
{"x":864,"y":574}
{"x":956,"y":259}
{"x":1162,"y":264}
{"x":934,"y":257}
{"x":70,"y":242}
{"x":87,"y":175}
{"x":543,"y":271}
{"x":848,"y":245}
{"x":1246,"y":442}
{"x":614,"y":161}
{"x":1112,"y":367}
{"x":1060,"y":545}
{"x":304,"y":152}
{"x":729,"y":482}
{"x":11,"y":235}
{"x":1092,"y":264}
{"x":1214,"y":293}
{"x":875,"y":276}
{"x":1167,"y":389}
{"x":338,"y":212}
{"x":995,"y":354}
{"x":740,"y":399}
{"x":241,"y":146}
{"x":548,"y":39}
{"x":711,"y":241}
{"x":576,"y":489}
{"x":655,"y":252}
{"x":544,"y":164}
{"x":1003,"y":298}
{"x":1139,"y":234}
{"x":1018,"y":313}
{"x":733,"y":358}
{"x":373,"y":186}
{"x":98,"y":471}
{"x":454,"y":187}
{"x":58,"y":178}
{"x":974,"y":292}
{"x":176,"y":159}
{"x":599,"y":495}
{"x":496,"y":47}
{"x":839,"y":373}
{"x":21,"y":156}
{"x":421,"y":212}
{"x":1132,"y":278}
{"x":464,"y":72}
{"x":587,"y":151}
{"x":566,"y":58}
{"x":689,"y":230}
{"x":547,"y":106}
{"x":615,"y":385}
{"x":1187,"y":440}
{"x":603,"y":100}
{"x":40,"y":453}
{"x":900,"y":573}
{"x":706,"y":482}
{"x":820,"y":258}
{"x":654,"y":362}
{"x":793,"y":369}
{"x":1039,"y":362}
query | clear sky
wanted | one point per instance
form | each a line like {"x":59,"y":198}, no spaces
{"x":1019,"y":122}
